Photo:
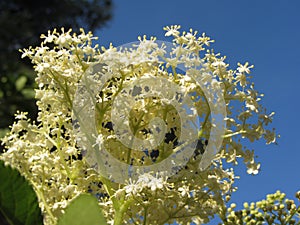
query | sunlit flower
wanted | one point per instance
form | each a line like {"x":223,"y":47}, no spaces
{"x":244,"y":68}
{"x":47,"y":151}
{"x":172,"y":31}
{"x":253,"y":168}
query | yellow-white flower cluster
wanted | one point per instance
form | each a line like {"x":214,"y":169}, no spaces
{"x":47,"y":152}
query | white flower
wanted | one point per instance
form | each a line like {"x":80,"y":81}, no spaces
{"x":41,"y":67}
{"x":251,"y":105}
{"x":21,"y":115}
{"x":218,"y":64}
{"x":133,"y":187}
{"x":270,"y":136}
{"x":156,"y":183}
{"x":145,"y":178}
{"x":50,"y":38}
{"x":172,"y":31}
{"x":99,"y":140}
{"x":184,"y":190}
{"x":27,"y":52}
{"x":253,"y":168}
{"x":33,"y":158}
{"x":152,"y":182}
{"x":71,"y":150}
{"x":244,"y":68}
{"x":63,"y":40}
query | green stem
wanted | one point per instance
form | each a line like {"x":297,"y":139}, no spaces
{"x":234,"y":133}
{"x":41,"y":197}
{"x":145,"y":216}
{"x":135,"y":129}
{"x":62,"y":160}
{"x":119,"y":203}
{"x":120,"y":211}
{"x":174,"y":73}
{"x":103,"y":108}
{"x":288,"y":219}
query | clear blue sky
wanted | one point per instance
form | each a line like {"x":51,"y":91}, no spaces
{"x":264,"y":32}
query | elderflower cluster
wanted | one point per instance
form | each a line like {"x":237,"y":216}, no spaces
{"x":145,"y":181}
{"x":48,"y":152}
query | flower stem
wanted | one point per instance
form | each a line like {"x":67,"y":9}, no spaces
{"x":118,"y":220}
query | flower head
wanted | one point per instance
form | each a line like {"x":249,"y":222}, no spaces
{"x":48,"y":152}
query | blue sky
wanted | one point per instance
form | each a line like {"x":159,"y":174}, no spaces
{"x":264,"y":32}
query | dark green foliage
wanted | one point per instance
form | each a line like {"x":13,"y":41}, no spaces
{"x":18,"y":201}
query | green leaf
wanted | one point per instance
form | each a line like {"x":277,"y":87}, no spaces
{"x":18,"y":201}
{"x":83,"y":210}
{"x":28,"y":93}
{"x":20,"y":82}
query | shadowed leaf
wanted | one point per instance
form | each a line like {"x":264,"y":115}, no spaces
{"x":18,"y":201}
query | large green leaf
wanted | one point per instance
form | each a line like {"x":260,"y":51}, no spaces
{"x":84,"y":210}
{"x":18,"y":201}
